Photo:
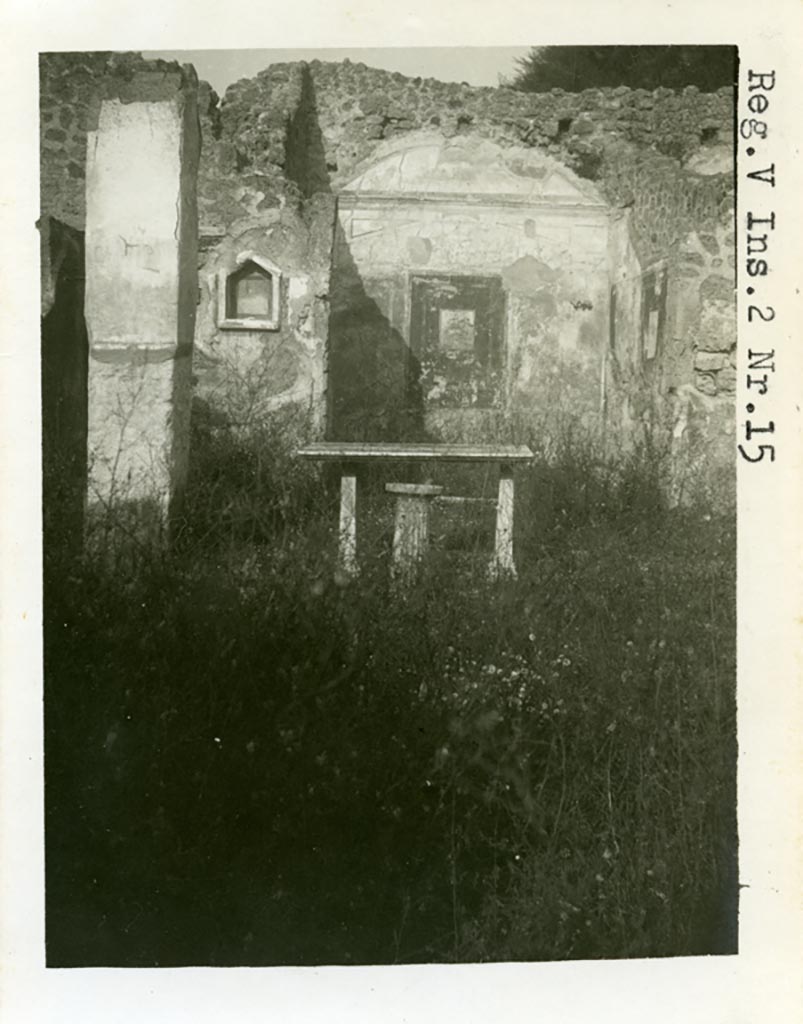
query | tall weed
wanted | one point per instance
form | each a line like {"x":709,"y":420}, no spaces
{"x":252,"y":758}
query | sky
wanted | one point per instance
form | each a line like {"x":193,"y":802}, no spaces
{"x":474,"y":65}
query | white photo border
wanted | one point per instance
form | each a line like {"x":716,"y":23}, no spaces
{"x":758,"y":983}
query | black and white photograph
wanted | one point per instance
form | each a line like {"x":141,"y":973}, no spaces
{"x":396,"y":404}
{"x":399,"y":413}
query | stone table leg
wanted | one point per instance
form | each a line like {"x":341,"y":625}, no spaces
{"x":411,"y":528}
{"x":347,"y":550}
{"x":502,"y":563}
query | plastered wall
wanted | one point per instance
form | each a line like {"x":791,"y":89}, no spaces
{"x":283,"y":173}
{"x":436,"y":232}
{"x":141,"y":286}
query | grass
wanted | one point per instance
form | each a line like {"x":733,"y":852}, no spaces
{"x":252,"y":760}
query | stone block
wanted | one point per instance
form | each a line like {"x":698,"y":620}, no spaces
{"x":716,"y":328}
{"x":709,"y":243}
{"x":705,"y":383}
{"x":709,"y":361}
{"x":717,"y":288}
{"x":583,"y":126}
{"x":726,"y":380}
{"x":373,"y":103}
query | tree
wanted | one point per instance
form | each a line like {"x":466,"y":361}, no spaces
{"x":640,"y":67}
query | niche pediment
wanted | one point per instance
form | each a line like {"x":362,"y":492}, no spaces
{"x":428,"y":165}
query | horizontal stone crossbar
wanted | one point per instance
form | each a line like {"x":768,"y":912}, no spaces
{"x":337,"y":451}
{"x":414,"y":490}
{"x":459,"y":499}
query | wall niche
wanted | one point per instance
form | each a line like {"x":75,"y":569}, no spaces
{"x":249,"y":294}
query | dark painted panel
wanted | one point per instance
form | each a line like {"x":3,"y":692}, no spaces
{"x":457,"y":334}
{"x":653,"y":314}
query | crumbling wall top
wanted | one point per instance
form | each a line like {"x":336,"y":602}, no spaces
{"x":357,"y":106}
{"x":71,"y":89}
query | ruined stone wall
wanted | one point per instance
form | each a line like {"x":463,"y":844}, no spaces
{"x":119,"y":153}
{"x":255,"y":192}
{"x":680,"y":221}
{"x":246,"y":373}
{"x":358,"y":105}
{"x":663,"y":159}
{"x":666,"y":156}
{"x":259,"y":192}
{"x":71,"y":87}
{"x":278,"y":148}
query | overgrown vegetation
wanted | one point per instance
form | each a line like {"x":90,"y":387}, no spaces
{"x":251,"y":759}
{"x":574,"y":68}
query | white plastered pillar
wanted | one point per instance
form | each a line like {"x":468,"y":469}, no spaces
{"x":141,"y":292}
